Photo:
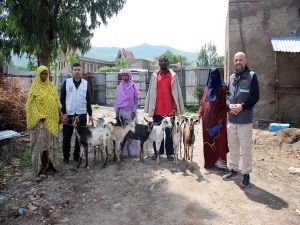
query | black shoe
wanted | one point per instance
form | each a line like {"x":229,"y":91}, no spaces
{"x":66,"y":161}
{"x":76,"y":160}
{"x":170,"y":157}
{"x":246,"y":181}
{"x":231,"y":175}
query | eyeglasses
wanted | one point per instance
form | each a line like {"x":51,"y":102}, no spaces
{"x":44,"y":73}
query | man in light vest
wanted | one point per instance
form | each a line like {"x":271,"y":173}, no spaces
{"x":75,"y":98}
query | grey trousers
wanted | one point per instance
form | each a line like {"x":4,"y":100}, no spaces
{"x":240,"y":145}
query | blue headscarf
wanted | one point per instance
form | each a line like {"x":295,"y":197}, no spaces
{"x":213,"y":83}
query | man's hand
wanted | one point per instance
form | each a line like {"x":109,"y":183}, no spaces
{"x":235,"y":109}
{"x":91,"y":120}
{"x":65,"y":118}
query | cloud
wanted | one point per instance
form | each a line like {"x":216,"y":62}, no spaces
{"x":182,"y":24}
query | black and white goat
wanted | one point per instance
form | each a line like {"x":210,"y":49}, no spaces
{"x":158,"y":134}
{"x":90,"y":137}
{"x":141,"y":133}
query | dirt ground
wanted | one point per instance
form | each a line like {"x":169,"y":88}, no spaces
{"x":133,"y":193}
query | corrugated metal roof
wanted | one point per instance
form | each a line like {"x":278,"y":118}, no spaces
{"x":286,"y":43}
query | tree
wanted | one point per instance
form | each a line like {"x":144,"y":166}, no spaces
{"x":122,"y":62}
{"x":174,"y":59}
{"x":41,"y":27}
{"x":105,"y":69}
{"x":208,"y":56}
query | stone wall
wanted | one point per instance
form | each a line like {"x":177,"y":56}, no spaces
{"x":249,"y":27}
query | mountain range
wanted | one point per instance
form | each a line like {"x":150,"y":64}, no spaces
{"x":143,"y":51}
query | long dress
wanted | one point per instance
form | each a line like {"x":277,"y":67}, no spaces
{"x":212,"y":112}
{"x":44,"y":148}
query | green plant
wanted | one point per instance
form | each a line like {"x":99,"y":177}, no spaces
{"x":191,"y":110}
{"x":198,"y":92}
{"x":122,"y":62}
{"x":25,"y":160}
{"x":95,"y":107}
{"x":105,"y":69}
{"x":283,"y":115}
{"x":9,"y":205}
{"x":3,"y":169}
{"x":21,"y":67}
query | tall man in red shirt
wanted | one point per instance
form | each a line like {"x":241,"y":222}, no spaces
{"x":164,"y":98}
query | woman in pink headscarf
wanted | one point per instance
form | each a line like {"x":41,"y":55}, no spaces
{"x":126,"y":105}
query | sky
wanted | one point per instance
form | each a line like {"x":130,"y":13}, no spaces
{"x":182,"y":24}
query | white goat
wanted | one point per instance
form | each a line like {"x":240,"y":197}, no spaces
{"x":118,"y":133}
{"x":176,"y":137}
{"x":158,"y":134}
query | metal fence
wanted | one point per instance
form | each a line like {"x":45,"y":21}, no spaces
{"x":103,"y":85}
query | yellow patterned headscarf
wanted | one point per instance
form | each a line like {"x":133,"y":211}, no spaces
{"x":43,"y":102}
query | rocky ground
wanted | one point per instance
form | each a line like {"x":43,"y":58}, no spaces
{"x":146,"y":193}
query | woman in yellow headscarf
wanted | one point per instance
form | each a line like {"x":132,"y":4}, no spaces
{"x":43,"y":117}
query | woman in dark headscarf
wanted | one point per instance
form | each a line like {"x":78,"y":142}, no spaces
{"x":213,"y":112}
{"x":126,"y":105}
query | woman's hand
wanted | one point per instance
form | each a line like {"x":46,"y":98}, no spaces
{"x":133,"y":115}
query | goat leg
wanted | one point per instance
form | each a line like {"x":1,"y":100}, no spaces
{"x":129,"y":141}
{"x":175,"y":154}
{"x":86,"y":156}
{"x":142,"y":151}
{"x":157,"y":143}
{"x":106,"y":152}
{"x":95,"y":154}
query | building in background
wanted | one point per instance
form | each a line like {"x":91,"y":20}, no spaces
{"x":268,"y":32}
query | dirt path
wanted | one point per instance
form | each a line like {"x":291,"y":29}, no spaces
{"x":135,"y":193}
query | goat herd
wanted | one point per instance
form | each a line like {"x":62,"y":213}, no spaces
{"x":110,"y":134}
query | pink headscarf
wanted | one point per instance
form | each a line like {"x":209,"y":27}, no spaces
{"x":126,"y":91}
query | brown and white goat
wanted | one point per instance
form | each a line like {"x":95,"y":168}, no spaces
{"x":188,"y":138}
{"x":117,"y":134}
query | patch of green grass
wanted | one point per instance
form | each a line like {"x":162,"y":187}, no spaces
{"x":25,"y":160}
{"x":9,"y":205}
{"x":95,"y":107}
{"x":3,"y":169}
{"x":191,"y":110}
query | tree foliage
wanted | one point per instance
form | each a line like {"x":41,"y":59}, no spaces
{"x":105,"y":69}
{"x":208,"y":56}
{"x":173,"y":58}
{"x":41,"y":27}
{"x":122,"y":62}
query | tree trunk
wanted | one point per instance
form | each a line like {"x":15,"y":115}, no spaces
{"x":42,"y":60}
